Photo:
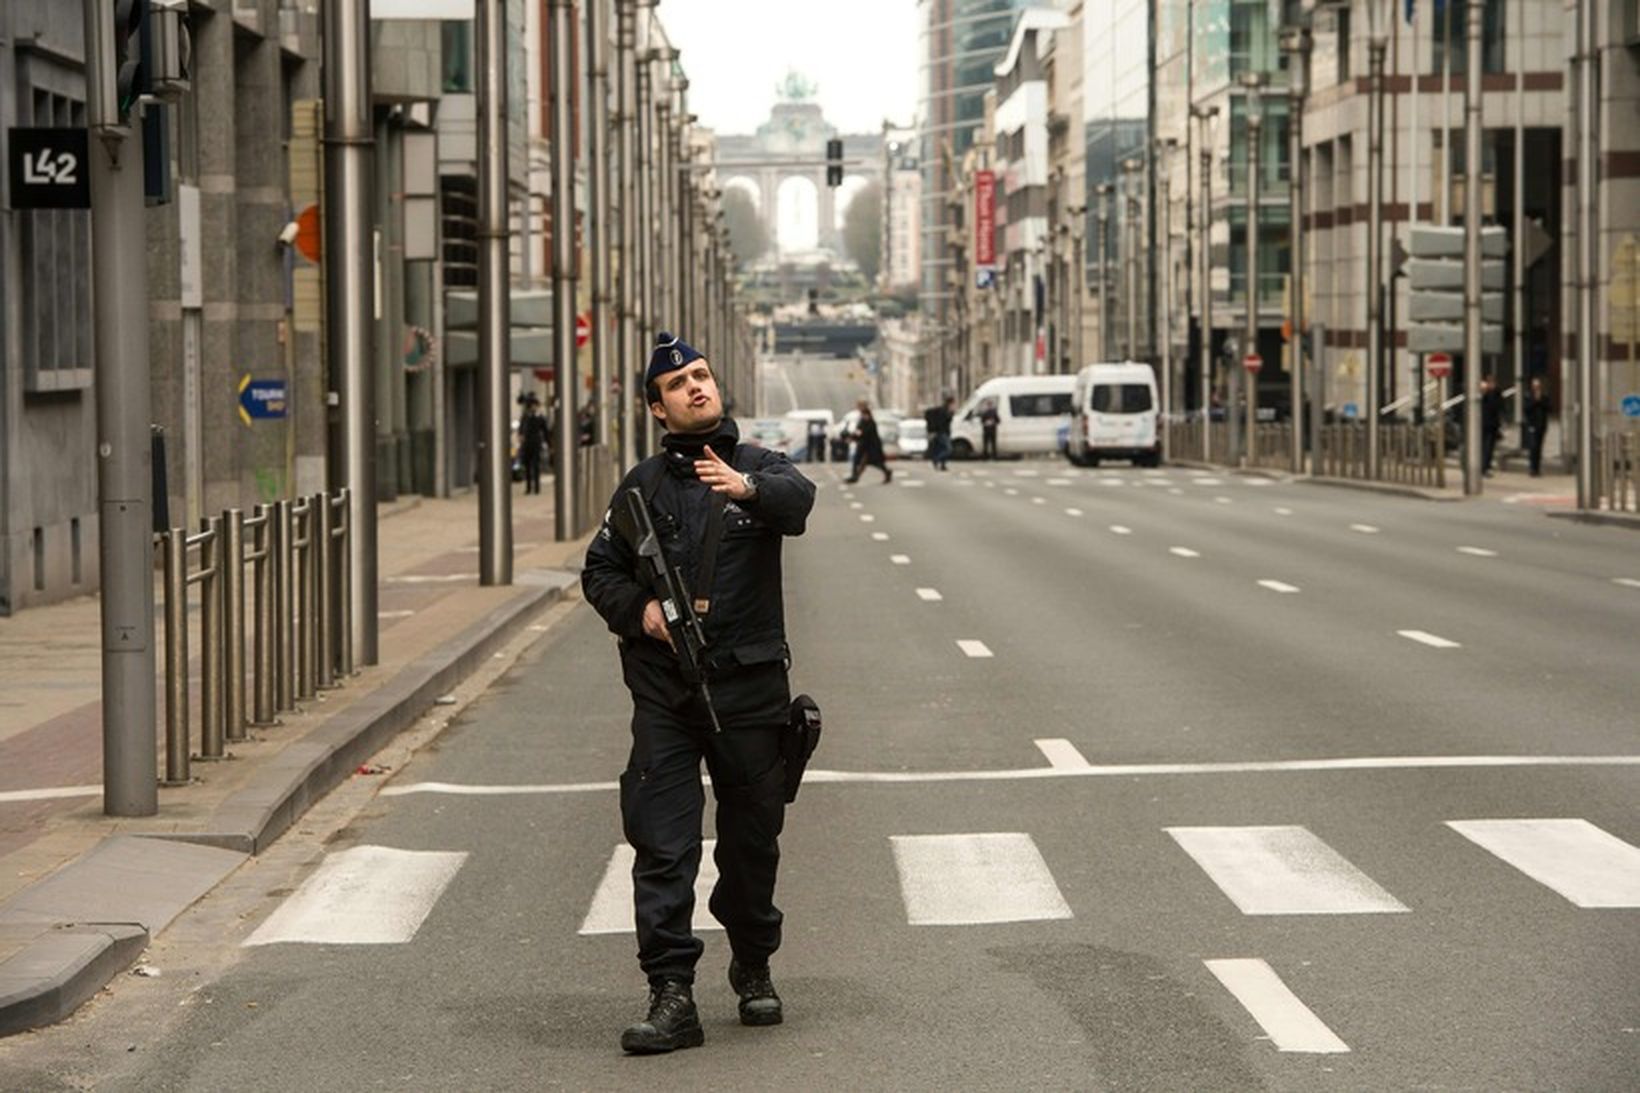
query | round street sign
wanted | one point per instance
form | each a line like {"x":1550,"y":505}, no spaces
{"x":1252,"y":362}
{"x":583,"y":331}
{"x":1439,"y":365}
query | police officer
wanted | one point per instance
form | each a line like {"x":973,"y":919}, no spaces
{"x":702,"y":474}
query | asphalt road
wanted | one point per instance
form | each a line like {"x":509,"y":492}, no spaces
{"x":1132,"y":781}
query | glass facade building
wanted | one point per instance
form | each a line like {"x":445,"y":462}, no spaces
{"x":959,"y":45}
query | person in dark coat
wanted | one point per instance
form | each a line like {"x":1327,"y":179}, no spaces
{"x":1491,"y":422}
{"x":1537,"y":411}
{"x":988,"y":420}
{"x":869,"y":452}
{"x":532,"y":443}
{"x":702,"y":474}
{"x":938,"y":420}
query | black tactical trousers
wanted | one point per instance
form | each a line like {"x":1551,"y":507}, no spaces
{"x":663,"y":804}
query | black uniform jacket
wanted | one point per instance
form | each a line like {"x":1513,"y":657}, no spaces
{"x":746,"y":624}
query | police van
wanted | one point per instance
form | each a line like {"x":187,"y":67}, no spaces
{"x":1114,"y":415}
{"x":1031,"y":412}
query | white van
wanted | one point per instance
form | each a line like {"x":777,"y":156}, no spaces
{"x":1031,"y":411}
{"x":1115,"y":415}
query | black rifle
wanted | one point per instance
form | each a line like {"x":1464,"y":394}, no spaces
{"x":682,"y":623}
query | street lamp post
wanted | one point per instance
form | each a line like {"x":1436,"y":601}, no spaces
{"x":598,"y":228}
{"x":1587,"y":256}
{"x":494,"y":291}
{"x":1472,"y":351}
{"x":566,"y":514}
{"x":1376,"y":44}
{"x":1131,"y":238}
{"x":1295,"y":42}
{"x":1105,"y":343}
{"x":1254,"y":83}
{"x":1164,"y":308}
{"x":626,"y":224}
{"x":1204,"y":118}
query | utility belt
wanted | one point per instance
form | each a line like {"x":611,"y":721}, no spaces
{"x":751,"y":655}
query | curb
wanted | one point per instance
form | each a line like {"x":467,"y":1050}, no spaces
{"x":93,"y":918}
{"x":1609,"y":519}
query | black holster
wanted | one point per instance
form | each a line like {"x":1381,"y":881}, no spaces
{"x":798,"y":741}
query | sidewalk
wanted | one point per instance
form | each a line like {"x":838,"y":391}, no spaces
{"x":81,"y":893}
{"x":1549,"y":491}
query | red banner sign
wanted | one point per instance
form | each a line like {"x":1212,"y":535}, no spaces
{"x":985,"y":218}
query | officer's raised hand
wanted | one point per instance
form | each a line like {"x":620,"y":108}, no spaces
{"x":712,"y":470}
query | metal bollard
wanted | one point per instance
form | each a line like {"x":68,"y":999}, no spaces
{"x":174,"y":544}
{"x":344,"y":586}
{"x":302,"y":571}
{"x":232,"y":554}
{"x":209,"y":577}
{"x":324,"y":588}
{"x":284,"y":606}
{"x":262,"y":639}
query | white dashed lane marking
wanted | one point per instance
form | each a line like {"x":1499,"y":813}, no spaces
{"x":932,"y":595}
{"x":1011,"y":492}
{"x":1062,"y":755}
{"x":1278,"y":586}
{"x":1183,"y":552}
{"x":1364,"y":529}
{"x":1039,"y":500}
{"x":1073,"y":512}
{"x":900,"y":559}
{"x":1478,"y":552}
{"x":1119,"y":529}
{"x":1287,"y":1021}
{"x":1429,"y":639}
{"x":1221,"y":500}
{"x":856,"y":504}
{"x":973,"y":648}
{"x":1626,"y":582}
{"x":879,"y":536}
{"x":1284,"y":512}
{"x":866,"y":518}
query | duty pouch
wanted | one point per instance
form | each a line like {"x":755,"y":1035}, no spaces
{"x":798,"y":741}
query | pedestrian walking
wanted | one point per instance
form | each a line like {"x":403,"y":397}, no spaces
{"x":938,"y":420}
{"x":1536,"y":412}
{"x":869,"y":446}
{"x":988,"y":419}
{"x":721,"y":510}
{"x":532,"y":443}
{"x":1491,"y":422}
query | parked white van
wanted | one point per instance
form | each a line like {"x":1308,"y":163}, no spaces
{"x":1114,"y":415}
{"x":1031,"y":411}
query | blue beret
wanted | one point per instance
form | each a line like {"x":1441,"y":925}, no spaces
{"x":670,"y":354}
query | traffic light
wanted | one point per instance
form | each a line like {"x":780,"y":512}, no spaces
{"x":131,"y":76}
{"x":834,"y":162}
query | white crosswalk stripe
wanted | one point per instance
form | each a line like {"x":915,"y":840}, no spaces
{"x":1282,"y":870}
{"x":965,"y":880}
{"x":368,"y":895}
{"x":611,"y":911}
{"x":1589,"y":866}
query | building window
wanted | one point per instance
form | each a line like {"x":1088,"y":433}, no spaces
{"x":1450,"y":29}
{"x":1342,"y":47}
{"x":457,"y":46}
{"x":55,"y":288}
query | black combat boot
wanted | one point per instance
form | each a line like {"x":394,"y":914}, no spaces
{"x":672,"y":1022}
{"x":759,"y":1004}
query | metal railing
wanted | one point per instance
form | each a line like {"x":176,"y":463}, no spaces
{"x":300,"y":628}
{"x":1272,"y":446}
{"x":1617,"y":471}
{"x":1408,"y":454}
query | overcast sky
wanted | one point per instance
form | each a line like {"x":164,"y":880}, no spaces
{"x":862,"y":53}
